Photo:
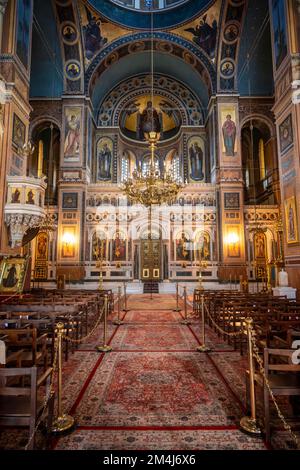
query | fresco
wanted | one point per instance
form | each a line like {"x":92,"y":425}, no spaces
{"x":143,"y":113}
{"x":196,"y":155}
{"x":24,"y":15}
{"x":97,"y":32}
{"x":291,"y":222}
{"x":104,"y":159}
{"x":228,"y":123}
{"x":204,"y":30}
{"x":279,"y":30}
{"x":72,"y":133}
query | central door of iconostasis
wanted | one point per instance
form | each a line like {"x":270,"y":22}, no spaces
{"x":151,"y":260}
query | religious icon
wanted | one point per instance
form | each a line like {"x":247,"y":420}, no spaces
{"x":205,"y":35}
{"x":280,"y":32}
{"x":286,"y":133}
{"x":149,"y":120}
{"x":98,"y":247}
{"x":231,"y":32}
{"x":233,"y":242}
{"x":19,"y":131}
{"x":10,"y":279}
{"x":291,"y":220}
{"x":119,"y":249}
{"x":204,"y":246}
{"x":42,"y":246}
{"x":30,"y":197}
{"x":15,"y":197}
{"x":260,"y":246}
{"x":182,"y":249}
{"x":227,"y":68}
{"x":12,"y":274}
{"x":229,"y":135}
{"x":72,"y":133}
{"x":196,"y":159}
{"x":104,"y":159}
{"x":73,"y":70}
{"x":24,"y":21}
{"x":93,"y":38}
{"x":69,"y":33}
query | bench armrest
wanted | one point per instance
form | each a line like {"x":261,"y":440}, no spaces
{"x":44,"y":376}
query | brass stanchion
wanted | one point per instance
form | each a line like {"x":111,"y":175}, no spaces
{"x":118,"y":321}
{"x":185,"y":321}
{"x":125,"y":309}
{"x":177,"y":309}
{"x":249,"y":423}
{"x":63,"y":422}
{"x":105,"y":347}
{"x":203,"y":347}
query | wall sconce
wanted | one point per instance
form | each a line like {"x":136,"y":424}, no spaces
{"x":68,"y":244}
{"x":232,"y":238}
{"x":233,"y":244}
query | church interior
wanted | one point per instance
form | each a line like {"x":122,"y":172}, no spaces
{"x":149,"y":225}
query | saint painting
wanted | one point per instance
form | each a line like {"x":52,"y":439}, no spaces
{"x":15,"y":197}
{"x":93,"y":39}
{"x":72,"y":139}
{"x":229,"y":136}
{"x":12,"y":274}
{"x":196,"y":160}
{"x":280,"y":32}
{"x":42,"y":247}
{"x":260,"y":246}
{"x":118,"y":249}
{"x":291,"y":220}
{"x":205,"y":35}
{"x":104,"y":159}
{"x":182,"y":249}
{"x":204,"y":247}
{"x":30,"y":197}
{"x":98,"y":247}
{"x":10,"y":279}
{"x":149,"y":120}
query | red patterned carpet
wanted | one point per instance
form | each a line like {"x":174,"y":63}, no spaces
{"x":154,"y":391}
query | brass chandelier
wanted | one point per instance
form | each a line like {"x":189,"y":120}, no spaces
{"x":148,"y":187}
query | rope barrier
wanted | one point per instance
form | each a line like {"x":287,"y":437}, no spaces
{"x":246,"y":422}
{"x":48,"y":396}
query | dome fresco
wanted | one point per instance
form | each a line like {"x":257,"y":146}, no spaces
{"x":149,"y":5}
{"x":134,"y":13}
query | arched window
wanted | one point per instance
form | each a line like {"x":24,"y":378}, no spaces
{"x":175,"y":168}
{"x":262,"y":164}
{"x":45,"y":159}
{"x":125,"y":167}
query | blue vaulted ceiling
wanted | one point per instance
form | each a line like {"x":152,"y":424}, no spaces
{"x":141,"y":63}
{"x":47,"y":67}
{"x":142,"y":20}
{"x":256,"y":78}
{"x":46,"y":62}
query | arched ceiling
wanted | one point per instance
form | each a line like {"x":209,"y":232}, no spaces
{"x":138,"y":63}
{"x":177,"y":53}
{"x":257,"y":77}
{"x":46,"y":60}
{"x":163,"y":19}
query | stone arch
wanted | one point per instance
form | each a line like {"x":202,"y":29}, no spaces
{"x":138,"y":42}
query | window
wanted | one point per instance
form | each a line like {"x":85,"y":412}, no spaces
{"x":146,"y":165}
{"x":148,"y":5}
{"x":175,"y":168}
{"x":125,"y":167}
